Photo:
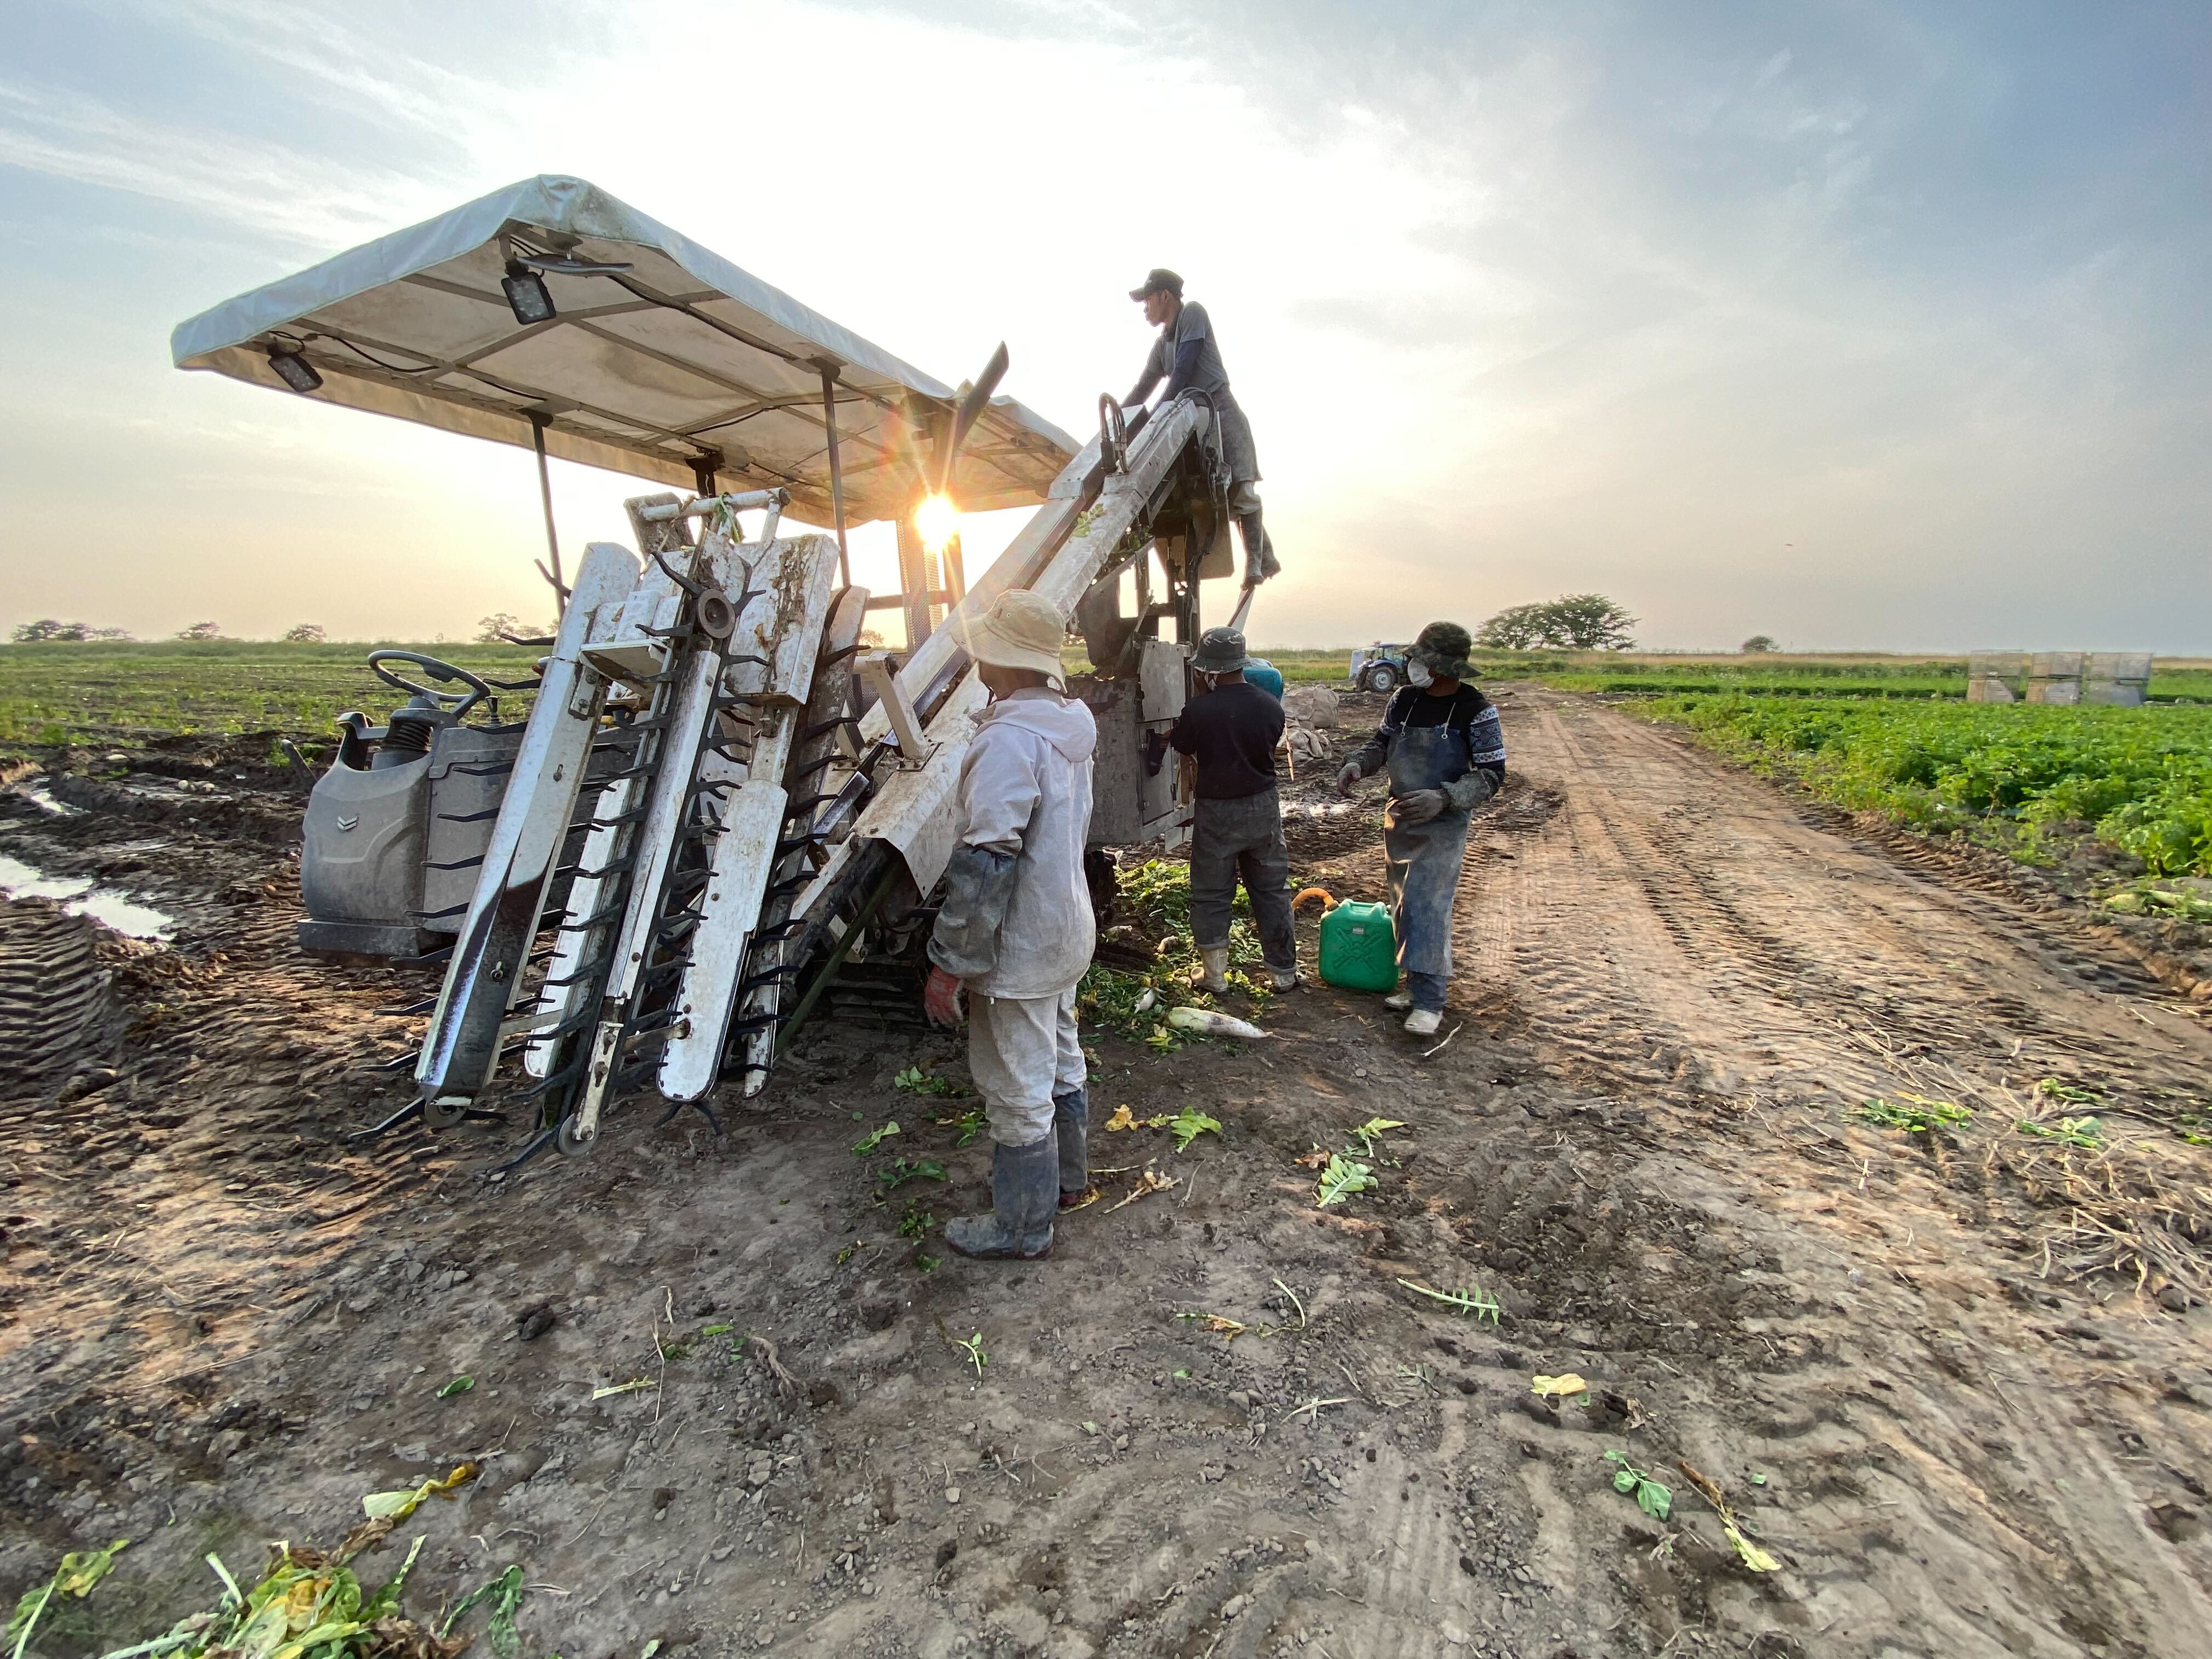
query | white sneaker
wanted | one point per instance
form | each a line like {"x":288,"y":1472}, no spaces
{"x":1423,"y":1022}
{"x":1398,"y":1001}
{"x":1284,"y":979}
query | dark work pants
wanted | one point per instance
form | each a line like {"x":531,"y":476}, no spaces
{"x":1242,"y":838}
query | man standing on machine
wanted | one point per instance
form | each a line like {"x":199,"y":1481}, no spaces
{"x":1188,"y":358}
{"x":1016,"y":928}
{"x":1442,"y":741}
{"x":1230,"y":730}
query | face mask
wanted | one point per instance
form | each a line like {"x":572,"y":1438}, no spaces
{"x":1417,"y":673}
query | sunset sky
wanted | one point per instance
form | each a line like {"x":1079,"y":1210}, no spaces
{"x":1864,"y":325}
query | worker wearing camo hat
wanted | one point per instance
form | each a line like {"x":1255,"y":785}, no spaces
{"x":1188,"y":357}
{"x":1016,"y":929}
{"x":1440,"y":739}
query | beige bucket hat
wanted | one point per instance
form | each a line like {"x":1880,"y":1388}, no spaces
{"x":1021,"y":629}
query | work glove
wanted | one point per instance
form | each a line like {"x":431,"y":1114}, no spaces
{"x":1419,"y":806}
{"x":940,"y":1000}
{"x":1470,"y":792}
{"x":1348,"y":777}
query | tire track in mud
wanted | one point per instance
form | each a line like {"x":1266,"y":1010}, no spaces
{"x":1960,"y":1482}
{"x":1677,"y":920}
{"x":53,"y":992}
{"x":208,"y":1184}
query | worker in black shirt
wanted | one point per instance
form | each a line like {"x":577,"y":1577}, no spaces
{"x":1230,"y":730}
{"x":1442,"y":741}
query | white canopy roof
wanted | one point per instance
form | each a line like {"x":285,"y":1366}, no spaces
{"x":679,"y":360}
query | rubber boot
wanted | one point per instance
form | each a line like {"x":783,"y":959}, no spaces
{"x":1284,"y":979}
{"x":1025,"y":1181}
{"x":1213,"y":974}
{"x":1259,"y":552}
{"x":1071,"y":1127}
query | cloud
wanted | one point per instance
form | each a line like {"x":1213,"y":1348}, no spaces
{"x":1521,"y":299}
{"x":285,"y":192}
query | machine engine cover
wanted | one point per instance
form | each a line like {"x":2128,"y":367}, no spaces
{"x":370,"y":834}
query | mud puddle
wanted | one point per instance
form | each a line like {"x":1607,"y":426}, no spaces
{"x":79,"y":896}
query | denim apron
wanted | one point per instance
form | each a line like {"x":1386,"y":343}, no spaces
{"x":1425,"y":858}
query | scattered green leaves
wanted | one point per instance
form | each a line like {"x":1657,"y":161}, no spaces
{"x":2083,"y":1131}
{"x":1752,"y":1556}
{"x":1655,"y":1499}
{"x":505,"y":1594}
{"x":1755,"y":1557}
{"x":80,"y":1570}
{"x":973,"y":1347}
{"x":631,"y":1387}
{"x":1189,"y":1124}
{"x":2150,"y":901}
{"x":970,"y":1123}
{"x":1369,"y":1134}
{"x":875,"y":1137}
{"x":460,"y":1384}
{"x":399,"y":1505}
{"x":915,"y":1081}
{"x":916,"y":1222}
{"x":1480,"y":1303}
{"x":1342,"y":1178}
{"x":900,"y":1170}
{"x":1915,"y":1113}
{"x":2051,"y":1089}
{"x":1220,"y":1324}
{"x":309,"y":1604}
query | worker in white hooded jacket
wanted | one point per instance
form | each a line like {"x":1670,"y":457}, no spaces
{"x":1016,"y":930}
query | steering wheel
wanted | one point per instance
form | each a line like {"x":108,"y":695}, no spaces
{"x":461,"y":702}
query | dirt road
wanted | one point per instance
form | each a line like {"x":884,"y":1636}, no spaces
{"x":223,"y":1324}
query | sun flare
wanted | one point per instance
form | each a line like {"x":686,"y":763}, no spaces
{"x":938,"y":522}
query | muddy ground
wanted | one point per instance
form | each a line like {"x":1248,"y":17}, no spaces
{"x":1956,"y":1382}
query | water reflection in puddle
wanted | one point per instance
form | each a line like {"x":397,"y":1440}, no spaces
{"x":79,"y":896}
{"x":39,"y":796}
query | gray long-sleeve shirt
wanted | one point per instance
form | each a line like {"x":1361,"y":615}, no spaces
{"x":1024,"y":793}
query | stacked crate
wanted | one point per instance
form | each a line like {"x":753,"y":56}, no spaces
{"x":2118,"y":677}
{"x":2055,"y":676}
{"x":1996,"y":676}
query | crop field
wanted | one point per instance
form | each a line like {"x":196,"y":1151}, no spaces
{"x":79,"y":693}
{"x":51,"y":695}
{"x":1932,"y":680}
{"x":2142,"y":777}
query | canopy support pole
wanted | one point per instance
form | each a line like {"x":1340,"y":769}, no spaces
{"x":836,"y":469}
{"x":545,"y":498}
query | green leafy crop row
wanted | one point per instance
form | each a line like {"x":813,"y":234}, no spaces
{"x":2142,"y":777}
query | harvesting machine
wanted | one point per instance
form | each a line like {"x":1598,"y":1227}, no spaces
{"x":719,"y":802}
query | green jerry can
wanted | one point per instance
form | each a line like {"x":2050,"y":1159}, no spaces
{"x":1359,"y":948}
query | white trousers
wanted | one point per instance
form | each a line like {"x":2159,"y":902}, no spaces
{"x":1022,"y":1051}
